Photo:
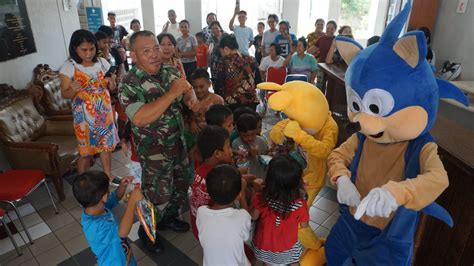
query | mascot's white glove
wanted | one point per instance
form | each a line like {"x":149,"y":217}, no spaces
{"x":379,"y":202}
{"x":347,"y":192}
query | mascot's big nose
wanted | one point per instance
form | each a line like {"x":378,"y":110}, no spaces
{"x":369,"y":124}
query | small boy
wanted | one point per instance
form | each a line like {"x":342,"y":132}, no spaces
{"x":202,"y":50}
{"x":201,"y":82}
{"x":107,"y":239}
{"x":214,"y":146}
{"x":223,"y":229}
{"x":220,"y":115}
{"x":254,"y":145}
{"x":245,"y":110}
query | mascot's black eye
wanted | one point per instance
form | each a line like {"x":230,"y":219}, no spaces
{"x":356,"y":106}
{"x":374,"y":108}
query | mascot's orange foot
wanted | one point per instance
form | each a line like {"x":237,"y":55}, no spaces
{"x":313,"y":257}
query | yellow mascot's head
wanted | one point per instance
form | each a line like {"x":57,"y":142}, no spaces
{"x":300,"y":101}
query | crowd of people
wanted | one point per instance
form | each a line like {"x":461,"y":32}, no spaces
{"x":180,"y":135}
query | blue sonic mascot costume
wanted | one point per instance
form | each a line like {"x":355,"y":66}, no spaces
{"x":389,"y":171}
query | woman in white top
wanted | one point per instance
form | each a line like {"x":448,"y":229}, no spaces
{"x":272,"y":60}
{"x":270,"y":34}
{"x":83,"y":80}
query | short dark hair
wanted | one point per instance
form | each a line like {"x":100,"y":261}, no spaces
{"x":79,"y":37}
{"x":283,"y":183}
{"x":342,"y":28}
{"x":184,"y":21}
{"x":100,"y":35}
{"x":277,"y":47}
{"x":217,"y":114}
{"x":333,"y":23}
{"x":211,"y":139}
{"x":211,"y":14}
{"x":111,"y":13}
{"x":166,"y":35}
{"x":200,"y":74}
{"x":89,"y":187}
{"x":229,"y":41}
{"x":274,"y":16}
{"x":243,"y":110}
{"x":242,"y":12}
{"x":223,"y":184}
{"x":246,"y":123}
{"x":303,"y":41}
{"x":107,"y":30}
{"x":372,"y":40}
{"x":200,"y":34}
{"x":261,"y":23}
{"x":318,"y":20}
{"x":134,"y":21}
{"x":286,"y":22}
{"x":142,"y":33}
{"x":215,"y":22}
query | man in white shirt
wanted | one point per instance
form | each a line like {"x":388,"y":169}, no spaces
{"x":171,"y":26}
{"x":243,"y":34}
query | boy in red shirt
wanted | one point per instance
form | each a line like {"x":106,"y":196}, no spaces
{"x":214,"y":145}
{"x":202,"y":50}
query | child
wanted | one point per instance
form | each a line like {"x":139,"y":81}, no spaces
{"x":280,"y":208}
{"x":135,"y":167}
{"x":187,"y":46}
{"x":202,"y":50}
{"x":223,"y":229}
{"x":220,"y":115}
{"x":107,"y":239}
{"x":245,"y":110}
{"x":214,"y":146}
{"x":249,"y":145}
{"x":201,"y":83}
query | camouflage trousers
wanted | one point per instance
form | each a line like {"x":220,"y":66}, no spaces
{"x":165,"y":180}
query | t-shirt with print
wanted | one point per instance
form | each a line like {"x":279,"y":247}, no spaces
{"x":201,"y":55}
{"x":285,"y":45}
{"x":243,"y":35}
{"x":222,"y":234}
{"x":67,"y":68}
{"x":268,"y":62}
{"x":199,"y":195}
{"x":119,"y":33}
{"x":186,"y":44}
{"x":102,"y":234}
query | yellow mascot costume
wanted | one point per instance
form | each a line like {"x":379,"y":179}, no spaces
{"x":312,"y":127}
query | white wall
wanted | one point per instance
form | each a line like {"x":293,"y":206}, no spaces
{"x":52,"y":29}
{"x":453,"y":37}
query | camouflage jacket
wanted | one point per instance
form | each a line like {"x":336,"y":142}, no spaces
{"x":160,"y":137}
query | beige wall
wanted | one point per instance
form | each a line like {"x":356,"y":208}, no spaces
{"x":52,"y":28}
{"x":453,"y":37}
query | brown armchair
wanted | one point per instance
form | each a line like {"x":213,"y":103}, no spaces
{"x":33,"y":141}
{"x":46,"y":87}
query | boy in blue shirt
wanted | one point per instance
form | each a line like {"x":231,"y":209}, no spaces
{"x":107,"y":239}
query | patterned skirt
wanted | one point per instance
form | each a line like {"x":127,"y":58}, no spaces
{"x":284,"y":257}
{"x":94,"y":122}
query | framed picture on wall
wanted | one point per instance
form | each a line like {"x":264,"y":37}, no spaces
{"x":16,"y":37}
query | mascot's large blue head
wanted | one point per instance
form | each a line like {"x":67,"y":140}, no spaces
{"x":390,"y":87}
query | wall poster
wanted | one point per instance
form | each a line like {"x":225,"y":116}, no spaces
{"x":16,"y":37}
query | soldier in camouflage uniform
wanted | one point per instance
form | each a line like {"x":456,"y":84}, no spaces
{"x":152,"y":95}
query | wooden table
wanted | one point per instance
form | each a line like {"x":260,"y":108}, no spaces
{"x":334,"y":87}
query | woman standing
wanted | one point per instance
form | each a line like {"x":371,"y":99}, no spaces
{"x":83,"y":80}
{"x":217,"y":34}
{"x":168,"y":49}
{"x":237,"y":76}
{"x":270,"y":34}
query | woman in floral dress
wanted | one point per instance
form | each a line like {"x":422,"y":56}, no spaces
{"x":84,"y":81}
